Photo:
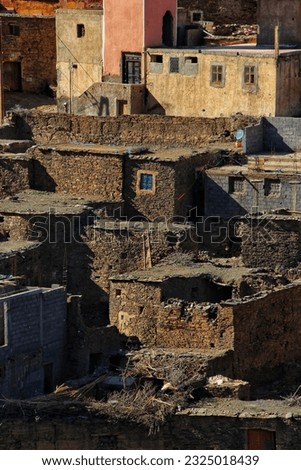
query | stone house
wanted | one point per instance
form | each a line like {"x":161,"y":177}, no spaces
{"x":32,"y":335}
{"x":29,"y":58}
{"x":178,"y":307}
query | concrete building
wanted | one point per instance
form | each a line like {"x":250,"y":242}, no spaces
{"x":284,"y":13}
{"x":32,"y":339}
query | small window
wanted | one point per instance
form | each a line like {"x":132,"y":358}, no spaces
{"x":217,"y":75}
{"x":236,"y":185}
{"x":146,"y":181}
{"x":13,"y":29}
{"x":196,"y":16}
{"x":80,"y":29}
{"x":157,"y":58}
{"x":249,"y":75}
{"x":118,"y":292}
{"x":191,"y":60}
{"x":272,"y":187}
{"x":174,"y":65}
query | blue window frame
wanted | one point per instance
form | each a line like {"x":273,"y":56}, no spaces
{"x":146,"y":181}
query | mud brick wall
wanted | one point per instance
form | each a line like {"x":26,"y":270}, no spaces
{"x":194,"y":326}
{"x":136,"y":310}
{"x":270,"y":242}
{"x":224,"y":11}
{"x":34,"y":48}
{"x":14,"y":175}
{"x":125,"y":130}
{"x":15,"y":227}
{"x":81,"y":175}
{"x":267,"y":330}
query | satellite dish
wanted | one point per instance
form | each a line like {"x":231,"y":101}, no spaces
{"x":239,"y":134}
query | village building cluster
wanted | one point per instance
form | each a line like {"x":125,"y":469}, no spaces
{"x":150,"y":225}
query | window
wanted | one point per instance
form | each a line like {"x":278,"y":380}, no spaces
{"x":272,"y":187}
{"x":157,"y":58}
{"x":191,"y":60}
{"x":13,"y":29}
{"x":80,"y":29}
{"x":174,"y":65}
{"x":196,"y":16}
{"x":156,"y":63}
{"x":191,"y":65}
{"x":118,"y":292}
{"x":146,"y":181}
{"x":249,"y":75}
{"x":217,"y":75}
{"x":236,"y":184}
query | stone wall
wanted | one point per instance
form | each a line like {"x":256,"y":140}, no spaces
{"x":136,"y":310}
{"x":142,"y":130}
{"x":267,"y":330}
{"x":15,"y":175}
{"x":78,"y":172}
{"x":44,"y":7}
{"x":270,"y":242}
{"x":34,"y":48}
{"x":183,"y":431}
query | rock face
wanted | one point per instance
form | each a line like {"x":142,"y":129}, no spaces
{"x":224,"y":11}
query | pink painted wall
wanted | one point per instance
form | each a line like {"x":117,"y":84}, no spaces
{"x":154,"y":12}
{"x":123,"y":31}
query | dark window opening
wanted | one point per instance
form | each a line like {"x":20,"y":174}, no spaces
{"x":48,"y":378}
{"x":236,"y":185}
{"x":196,"y":16}
{"x":146,"y":182}
{"x":95,"y":361}
{"x":217,"y":75}
{"x":174,"y":65}
{"x":167,"y":29}
{"x":157,"y":58}
{"x":272,"y":187}
{"x":194,"y":293}
{"x":80,"y":30}
{"x":118,"y":292}
{"x":13,"y":29}
{"x":141,"y":308}
{"x":191,"y":60}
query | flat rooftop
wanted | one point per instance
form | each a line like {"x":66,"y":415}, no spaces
{"x":143,"y":153}
{"x":162,"y":272}
{"x":40,"y":202}
{"x":236,"y":49}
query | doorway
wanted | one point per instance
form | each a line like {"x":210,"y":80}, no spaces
{"x":167,"y":29}
{"x":131,"y":68}
{"x":48,"y":377}
{"x":12,"y":77}
{"x":261,"y":439}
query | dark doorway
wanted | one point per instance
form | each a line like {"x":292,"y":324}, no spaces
{"x":48,"y":378}
{"x":167,"y":30}
{"x":131,"y":68}
{"x":12,"y":79}
{"x":261,"y":439}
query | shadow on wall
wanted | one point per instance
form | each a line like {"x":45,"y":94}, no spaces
{"x":282,"y":138}
{"x":152,"y":105}
{"x":220,"y":203}
{"x":39,"y":178}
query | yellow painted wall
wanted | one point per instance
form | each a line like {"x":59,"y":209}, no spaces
{"x":192,"y":95}
{"x":85,"y":53}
